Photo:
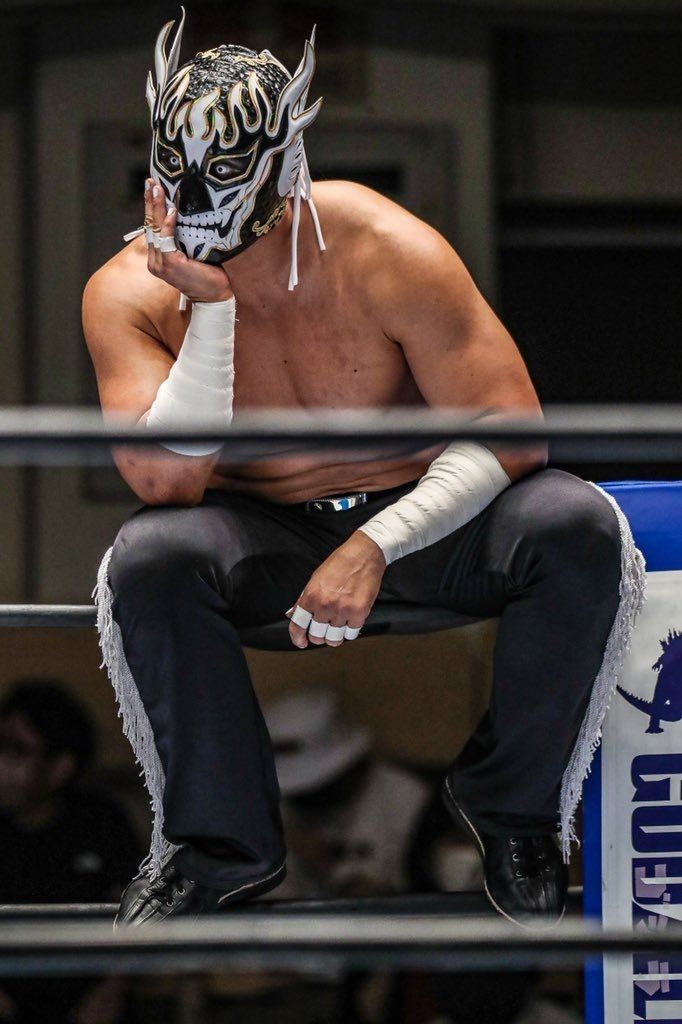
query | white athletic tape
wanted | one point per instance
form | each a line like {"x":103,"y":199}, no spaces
{"x":167,"y":244}
{"x":335,"y":633}
{"x":128,"y":237}
{"x":201,"y":378}
{"x":149,"y":235}
{"x":300,"y":617}
{"x":459,"y":484}
{"x":318,"y":629}
{"x":351,"y":633}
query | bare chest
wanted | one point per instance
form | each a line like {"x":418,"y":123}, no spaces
{"x":297,"y":356}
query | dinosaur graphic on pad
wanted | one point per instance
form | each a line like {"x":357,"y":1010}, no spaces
{"x":666,"y":704}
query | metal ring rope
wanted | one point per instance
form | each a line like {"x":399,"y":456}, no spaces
{"x":622,"y":433}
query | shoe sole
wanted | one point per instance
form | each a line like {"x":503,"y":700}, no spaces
{"x":455,"y":809}
{"x":258,"y":887}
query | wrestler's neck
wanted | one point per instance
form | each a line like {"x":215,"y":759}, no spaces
{"x":261,"y":272}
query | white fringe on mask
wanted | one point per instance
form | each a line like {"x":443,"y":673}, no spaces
{"x":632,"y":596}
{"x":136,"y":725}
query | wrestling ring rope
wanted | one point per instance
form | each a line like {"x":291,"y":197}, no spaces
{"x":435,"y":931}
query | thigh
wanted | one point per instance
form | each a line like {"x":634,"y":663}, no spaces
{"x":477,"y":568}
{"x":257,"y":555}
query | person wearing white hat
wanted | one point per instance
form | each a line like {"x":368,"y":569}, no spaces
{"x":349,"y":814}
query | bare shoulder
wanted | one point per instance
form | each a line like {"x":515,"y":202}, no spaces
{"x":354,"y":207}
{"x":393,"y":250}
{"x":120,"y":294}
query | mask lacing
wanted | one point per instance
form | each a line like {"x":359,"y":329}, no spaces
{"x":302,"y":190}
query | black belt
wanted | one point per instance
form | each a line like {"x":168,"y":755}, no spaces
{"x":336,"y":502}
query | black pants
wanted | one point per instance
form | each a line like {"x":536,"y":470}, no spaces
{"x":544,"y":557}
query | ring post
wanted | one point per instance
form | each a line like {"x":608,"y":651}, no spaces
{"x":632,"y":853}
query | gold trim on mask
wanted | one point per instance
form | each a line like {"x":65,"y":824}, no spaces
{"x":274,"y":219}
{"x":252,"y":62}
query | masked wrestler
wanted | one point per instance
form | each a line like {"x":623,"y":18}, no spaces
{"x":203,"y":312}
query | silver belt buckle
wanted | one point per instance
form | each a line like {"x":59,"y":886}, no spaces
{"x":336,"y":502}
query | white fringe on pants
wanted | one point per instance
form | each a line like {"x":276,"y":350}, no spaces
{"x":632,"y":588}
{"x":136,"y":726}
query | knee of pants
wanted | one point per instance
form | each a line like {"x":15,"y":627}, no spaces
{"x":571,"y":523}
{"x":158,"y":545}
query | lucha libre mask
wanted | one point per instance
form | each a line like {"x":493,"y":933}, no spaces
{"x":227,"y":144}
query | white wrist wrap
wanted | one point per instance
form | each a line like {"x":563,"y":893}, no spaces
{"x":199,"y":387}
{"x":458,"y":485}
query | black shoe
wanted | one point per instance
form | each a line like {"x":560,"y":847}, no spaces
{"x":525,"y":877}
{"x":173,"y":894}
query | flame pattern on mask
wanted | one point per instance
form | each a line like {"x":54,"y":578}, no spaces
{"x":227,"y":141}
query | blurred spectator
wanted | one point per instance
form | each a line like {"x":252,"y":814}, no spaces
{"x":348,"y":813}
{"x":58,"y":842}
{"x":349,"y":817}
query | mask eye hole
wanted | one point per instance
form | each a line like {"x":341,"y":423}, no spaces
{"x":168,"y":160}
{"x":229,"y":168}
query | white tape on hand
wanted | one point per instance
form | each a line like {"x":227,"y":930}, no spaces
{"x":300,"y":617}
{"x":351,"y":633}
{"x":335,"y":633}
{"x":167,"y":244}
{"x":318,"y":629}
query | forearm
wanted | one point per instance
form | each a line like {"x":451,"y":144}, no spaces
{"x":457,"y":486}
{"x":198,"y":389}
{"x":517,"y":462}
{"x":162,"y":477}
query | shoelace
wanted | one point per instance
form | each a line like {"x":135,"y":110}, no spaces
{"x":529,"y":856}
{"x":158,"y":889}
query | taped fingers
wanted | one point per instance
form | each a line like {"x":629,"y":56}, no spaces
{"x":332,"y":634}
{"x":335,"y":634}
{"x":167,"y":233}
{"x":300,"y":617}
{"x":318,"y":629}
{"x":155,"y":217}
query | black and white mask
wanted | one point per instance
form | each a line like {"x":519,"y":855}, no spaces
{"x":227,"y":143}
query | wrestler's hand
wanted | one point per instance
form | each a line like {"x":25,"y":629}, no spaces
{"x":340,"y":593}
{"x":200,"y":282}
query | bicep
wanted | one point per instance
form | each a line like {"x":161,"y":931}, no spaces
{"x":458,"y":351}
{"x":129,"y":363}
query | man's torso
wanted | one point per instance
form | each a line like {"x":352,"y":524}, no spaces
{"x":322,"y":345}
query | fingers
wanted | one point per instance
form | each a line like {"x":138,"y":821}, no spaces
{"x":148,"y":202}
{"x":305,"y":628}
{"x":160,"y":223}
{"x":154,"y":219}
{"x":158,"y":205}
{"x":299,"y":620}
{"x":167,"y":232}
